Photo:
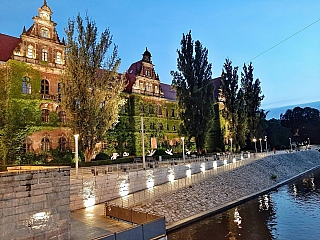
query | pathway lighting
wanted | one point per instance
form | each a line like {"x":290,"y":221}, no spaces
{"x":182,"y":138}
{"x":76,"y":137}
{"x":290,"y":145}
{"x":265,"y":139}
{"x":260,"y":139}
{"x":255,"y":143}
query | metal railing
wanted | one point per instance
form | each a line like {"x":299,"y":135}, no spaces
{"x":89,"y":172}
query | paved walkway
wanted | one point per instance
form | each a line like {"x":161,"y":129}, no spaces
{"x":90,"y":223}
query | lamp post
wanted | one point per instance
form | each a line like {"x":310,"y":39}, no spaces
{"x":308,"y":142}
{"x":265,"y":139}
{"x":230,"y":145}
{"x":260,"y":139}
{"x":255,"y":143}
{"x":76,"y":137}
{"x":182,"y":138}
{"x":143,"y":153}
{"x":290,"y":145}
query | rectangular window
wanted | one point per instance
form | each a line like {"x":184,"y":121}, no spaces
{"x":44,"y":55}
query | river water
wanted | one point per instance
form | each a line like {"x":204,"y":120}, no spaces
{"x":290,"y":212}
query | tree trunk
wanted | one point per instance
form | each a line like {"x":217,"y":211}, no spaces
{"x":88,"y":153}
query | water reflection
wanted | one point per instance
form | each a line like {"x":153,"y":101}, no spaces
{"x":291,"y":212}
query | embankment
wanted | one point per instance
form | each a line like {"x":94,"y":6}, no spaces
{"x":228,"y":188}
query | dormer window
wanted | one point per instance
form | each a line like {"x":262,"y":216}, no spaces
{"x":44,"y":55}
{"x":44,"y":33}
{"x":30,"y":51}
{"x":147,"y":73}
{"x":58,"y":59}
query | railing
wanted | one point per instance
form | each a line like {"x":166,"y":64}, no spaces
{"x":149,"y":226}
{"x":89,"y":172}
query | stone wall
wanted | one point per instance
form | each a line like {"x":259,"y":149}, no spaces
{"x":104,"y":187}
{"x":35,"y":203}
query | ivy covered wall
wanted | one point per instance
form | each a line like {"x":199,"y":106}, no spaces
{"x":161,"y":123}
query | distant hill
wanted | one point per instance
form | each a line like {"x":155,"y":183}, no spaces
{"x":275,"y":112}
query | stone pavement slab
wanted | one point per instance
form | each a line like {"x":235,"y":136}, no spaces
{"x":90,"y":223}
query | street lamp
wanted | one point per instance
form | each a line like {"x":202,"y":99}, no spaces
{"x":182,"y":138}
{"x":76,"y":137}
{"x":308,"y":142}
{"x":231,"y":144}
{"x":143,"y":153}
{"x":260,"y":139}
{"x":290,"y":145}
{"x":255,"y":143}
{"x":265,"y":139}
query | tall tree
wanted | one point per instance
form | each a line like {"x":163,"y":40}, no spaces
{"x":230,"y":99}
{"x":194,"y":88}
{"x":91,"y":85}
{"x":253,"y":97}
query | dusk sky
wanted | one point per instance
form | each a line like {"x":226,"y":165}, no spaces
{"x":238,"y":30}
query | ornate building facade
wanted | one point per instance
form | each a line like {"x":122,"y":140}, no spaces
{"x":39,"y":46}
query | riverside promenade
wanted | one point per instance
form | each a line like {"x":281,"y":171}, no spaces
{"x":200,"y":198}
{"x":227,"y":189}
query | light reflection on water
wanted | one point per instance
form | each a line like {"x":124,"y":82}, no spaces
{"x":291,"y":212}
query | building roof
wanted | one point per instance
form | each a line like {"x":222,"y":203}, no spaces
{"x":7,"y":45}
{"x":168,"y":92}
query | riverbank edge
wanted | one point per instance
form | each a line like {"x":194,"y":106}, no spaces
{"x":227,"y":206}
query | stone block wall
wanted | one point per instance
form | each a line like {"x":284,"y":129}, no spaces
{"x":102,"y":188}
{"x":35,"y":203}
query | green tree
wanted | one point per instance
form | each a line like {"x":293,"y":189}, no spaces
{"x":229,"y":98}
{"x":91,"y":85}
{"x":303,"y":123}
{"x":194,"y":88}
{"x":253,"y":97}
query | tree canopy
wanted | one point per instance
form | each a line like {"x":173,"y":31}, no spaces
{"x":303,"y":123}
{"x":91,"y":89}
{"x":194,"y":86}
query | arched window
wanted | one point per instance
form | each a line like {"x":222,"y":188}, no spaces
{"x":160,"y":126}
{"x":44,"y":33}
{"x":44,"y":55}
{"x":27,"y":145}
{"x":45,"y":115}
{"x":44,"y":87}
{"x":45,"y":144}
{"x":63,"y":144}
{"x":62,"y":116}
{"x":30,"y":51}
{"x":58,"y":58}
{"x":26,"y":86}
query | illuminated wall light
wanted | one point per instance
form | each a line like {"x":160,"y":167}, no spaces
{"x":171,"y":175}
{"x":150,"y":183}
{"x":215,"y":165}
{"x":124,"y":188}
{"x":89,"y":198}
{"x":225,"y":162}
{"x":234,"y":160}
{"x":241,"y":157}
{"x":38,"y":220}
{"x":203,"y":167}
{"x":188,"y":171}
